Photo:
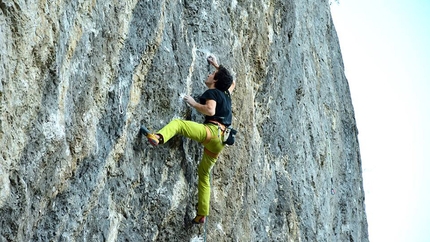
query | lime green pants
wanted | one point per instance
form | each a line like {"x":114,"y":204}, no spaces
{"x":213,"y":146}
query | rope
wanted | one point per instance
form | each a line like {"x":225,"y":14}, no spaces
{"x":121,"y":111}
{"x":204,"y":230}
{"x":331,"y":166}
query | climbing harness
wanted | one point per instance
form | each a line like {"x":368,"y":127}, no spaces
{"x":206,"y":141}
{"x":221,"y":128}
{"x":227,"y":131}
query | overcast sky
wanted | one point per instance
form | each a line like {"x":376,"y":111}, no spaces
{"x":386,"y":51}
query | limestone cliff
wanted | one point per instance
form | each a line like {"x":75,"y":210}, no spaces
{"x":79,"y":77}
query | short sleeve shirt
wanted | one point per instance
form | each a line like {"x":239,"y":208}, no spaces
{"x":223,"y":112}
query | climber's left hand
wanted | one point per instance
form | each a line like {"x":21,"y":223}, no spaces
{"x":190,"y":100}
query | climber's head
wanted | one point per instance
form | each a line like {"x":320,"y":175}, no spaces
{"x":223,"y":79}
{"x":219,"y":79}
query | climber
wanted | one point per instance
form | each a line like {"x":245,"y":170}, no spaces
{"x":215,"y":104}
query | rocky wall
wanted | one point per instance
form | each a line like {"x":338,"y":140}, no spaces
{"x":79,"y":77}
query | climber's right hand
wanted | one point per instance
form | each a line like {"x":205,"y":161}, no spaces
{"x":212,"y":61}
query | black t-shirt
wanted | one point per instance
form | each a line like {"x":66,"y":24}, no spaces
{"x":223,"y":105}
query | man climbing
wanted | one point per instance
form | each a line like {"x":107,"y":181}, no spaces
{"x":215,"y":104}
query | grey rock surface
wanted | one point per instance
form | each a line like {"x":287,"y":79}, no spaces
{"x":79,"y":77}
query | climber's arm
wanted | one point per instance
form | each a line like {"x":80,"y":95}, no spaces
{"x":212,"y":61}
{"x":207,"y":109}
{"x":231,"y":88}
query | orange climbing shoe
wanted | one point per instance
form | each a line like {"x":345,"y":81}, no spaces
{"x":152,"y":138}
{"x":199,"y":219}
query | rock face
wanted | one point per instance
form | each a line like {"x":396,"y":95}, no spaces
{"x":79,"y":77}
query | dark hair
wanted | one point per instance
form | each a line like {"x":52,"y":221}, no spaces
{"x":223,"y":79}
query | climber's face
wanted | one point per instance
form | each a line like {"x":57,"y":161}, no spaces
{"x":210,"y":81}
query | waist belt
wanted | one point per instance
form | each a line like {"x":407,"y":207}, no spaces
{"x":220,"y":125}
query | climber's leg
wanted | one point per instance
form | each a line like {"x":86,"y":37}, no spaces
{"x":204,"y":189}
{"x":189,"y":129}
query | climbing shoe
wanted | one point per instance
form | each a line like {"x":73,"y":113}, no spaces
{"x":199,"y":219}
{"x":152,"y":138}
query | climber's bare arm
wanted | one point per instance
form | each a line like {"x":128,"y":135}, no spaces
{"x":212,"y":60}
{"x":233,"y":85}
{"x":207,"y":109}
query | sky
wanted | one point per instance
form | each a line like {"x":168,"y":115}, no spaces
{"x":385,"y":47}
